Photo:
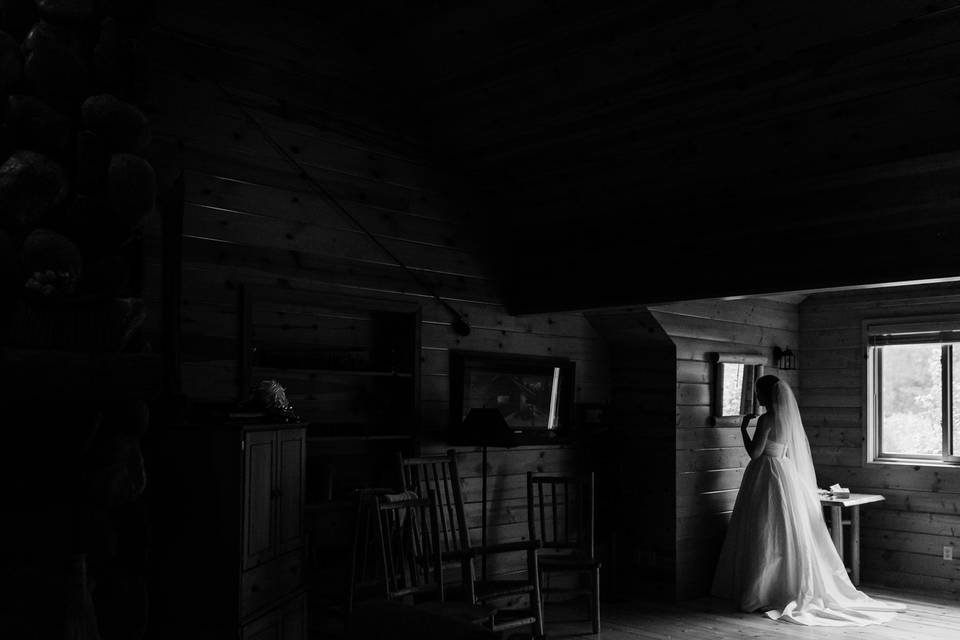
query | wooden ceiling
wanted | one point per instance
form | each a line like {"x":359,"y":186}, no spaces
{"x":635,"y":152}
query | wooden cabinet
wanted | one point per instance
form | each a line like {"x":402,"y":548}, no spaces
{"x":229,"y":539}
{"x":350,"y":367}
{"x":273,"y":494}
{"x":291,"y":474}
{"x":288,"y":621}
{"x":259,"y":544}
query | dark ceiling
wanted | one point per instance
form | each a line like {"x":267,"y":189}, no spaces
{"x":636,"y":152}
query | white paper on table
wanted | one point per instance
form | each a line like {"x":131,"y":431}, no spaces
{"x":836,"y":489}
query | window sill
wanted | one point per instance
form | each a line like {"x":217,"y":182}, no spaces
{"x":907,"y":462}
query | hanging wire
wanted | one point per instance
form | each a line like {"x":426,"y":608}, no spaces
{"x":458,"y":324}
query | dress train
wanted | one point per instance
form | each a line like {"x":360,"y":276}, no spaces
{"x":778,"y":555}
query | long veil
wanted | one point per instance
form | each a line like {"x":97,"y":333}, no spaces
{"x":788,"y":430}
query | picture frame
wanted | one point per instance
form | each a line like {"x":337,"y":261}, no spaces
{"x":533,"y":393}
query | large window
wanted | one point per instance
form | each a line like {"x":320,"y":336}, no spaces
{"x":913,"y":399}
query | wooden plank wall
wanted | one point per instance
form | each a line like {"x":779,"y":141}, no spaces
{"x":251,"y":219}
{"x":901,"y":538}
{"x":710,"y":459}
{"x":636,"y":474}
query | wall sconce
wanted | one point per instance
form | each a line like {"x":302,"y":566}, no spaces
{"x":784,"y":358}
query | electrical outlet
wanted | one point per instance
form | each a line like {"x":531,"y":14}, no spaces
{"x":948,"y":552}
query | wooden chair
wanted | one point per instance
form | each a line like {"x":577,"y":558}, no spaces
{"x":364,"y":577}
{"x":560,"y":513}
{"x":438,"y":474}
{"x":411,"y":560}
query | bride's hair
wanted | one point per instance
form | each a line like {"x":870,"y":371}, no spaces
{"x":765,"y":386}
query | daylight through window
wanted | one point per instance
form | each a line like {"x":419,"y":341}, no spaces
{"x":913,"y":399}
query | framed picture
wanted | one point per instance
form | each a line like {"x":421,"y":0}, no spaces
{"x":533,"y":393}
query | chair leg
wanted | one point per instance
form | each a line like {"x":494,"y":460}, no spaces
{"x":537,"y":606}
{"x":596,"y":600}
{"x":536,"y":596}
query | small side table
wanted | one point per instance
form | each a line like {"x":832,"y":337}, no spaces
{"x":836,"y":525}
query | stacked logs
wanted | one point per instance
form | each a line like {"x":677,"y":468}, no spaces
{"x":75,"y":187}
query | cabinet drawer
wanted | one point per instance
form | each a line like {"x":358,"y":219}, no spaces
{"x":286,"y":621}
{"x":270,"y":581}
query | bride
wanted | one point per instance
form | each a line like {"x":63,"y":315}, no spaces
{"x":778,"y":556}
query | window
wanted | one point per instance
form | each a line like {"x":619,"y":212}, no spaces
{"x":913,"y":399}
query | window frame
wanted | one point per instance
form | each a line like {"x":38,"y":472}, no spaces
{"x":873,"y":378}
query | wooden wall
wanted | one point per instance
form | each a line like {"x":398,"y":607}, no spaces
{"x":250,"y":218}
{"x":901,"y":538}
{"x":636,"y":474}
{"x":662,"y":389}
{"x":710,"y":459}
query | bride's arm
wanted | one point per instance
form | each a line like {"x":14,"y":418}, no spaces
{"x":756,"y":445}
{"x":743,"y":430}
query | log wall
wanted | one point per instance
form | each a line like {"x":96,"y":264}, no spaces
{"x":251,"y":219}
{"x":902,"y":537}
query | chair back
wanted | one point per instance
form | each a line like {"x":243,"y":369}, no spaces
{"x":560,"y":511}
{"x":409,"y":548}
{"x":438,"y":474}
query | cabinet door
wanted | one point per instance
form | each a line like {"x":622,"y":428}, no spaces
{"x":290,"y":480}
{"x":264,"y":628}
{"x":293,"y":619}
{"x":259,"y":534}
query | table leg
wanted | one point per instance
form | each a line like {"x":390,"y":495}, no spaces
{"x":855,"y":543}
{"x":836,"y":526}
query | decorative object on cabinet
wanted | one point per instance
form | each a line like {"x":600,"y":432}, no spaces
{"x":735,"y":375}
{"x":269,"y":399}
{"x":533,"y":393}
{"x":227,"y":501}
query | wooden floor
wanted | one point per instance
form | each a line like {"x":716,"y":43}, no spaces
{"x":926,"y":618}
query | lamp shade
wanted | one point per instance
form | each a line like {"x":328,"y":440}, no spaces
{"x":485,"y":427}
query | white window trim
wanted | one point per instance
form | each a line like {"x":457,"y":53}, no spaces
{"x":874,"y":326}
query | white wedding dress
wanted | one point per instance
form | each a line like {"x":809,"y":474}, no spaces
{"x":778,"y":555}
